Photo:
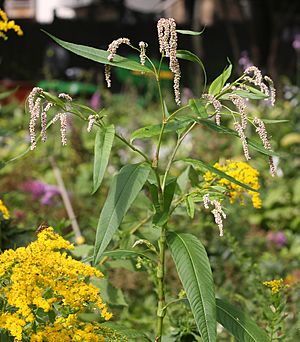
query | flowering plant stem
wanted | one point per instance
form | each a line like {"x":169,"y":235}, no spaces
{"x":161,"y":312}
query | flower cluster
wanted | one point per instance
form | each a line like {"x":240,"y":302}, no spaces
{"x":4,"y":211}
{"x":6,"y":25}
{"x":43,"y":291}
{"x":274,"y":285}
{"x":218,"y":212}
{"x":243,"y":173}
{"x":167,"y":37}
{"x":143,"y":46}
{"x":217,"y":106}
{"x":42,"y":191}
{"x":112,"y":49}
{"x":38,"y":106}
{"x":262,"y":132}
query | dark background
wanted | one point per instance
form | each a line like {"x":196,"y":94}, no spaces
{"x":265,"y":29}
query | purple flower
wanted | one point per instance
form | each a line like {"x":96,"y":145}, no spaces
{"x":296,"y":42}
{"x":42,"y":191}
{"x":245,"y":61}
{"x":95,"y":101}
{"x":277,"y":238}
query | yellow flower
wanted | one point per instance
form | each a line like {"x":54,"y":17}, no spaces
{"x":242,"y":172}
{"x":4,"y":210}
{"x":40,"y":278}
{"x":80,"y":240}
{"x":274,"y":285}
{"x":6,"y":25}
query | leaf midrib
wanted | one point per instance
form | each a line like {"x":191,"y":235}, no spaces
{"x":118,"y":198}
{"x":237,"y":321}
{"x":194,"y":268}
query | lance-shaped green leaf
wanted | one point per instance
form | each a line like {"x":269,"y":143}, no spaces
{"x":153,"y":130}
{"x":161,"y":216}
{"x":218,"y":84}
{"x":103,"y":144}
{"x":124,"y":253}
{"x":124,"y":188}
{"x":238,"y":324}
{"x":190,"y":33}
{"x":270,"y":121}
{"x":198,"y":107}
{"x":200,"y":164}
{"x":100,"y":56}
{"x":120,"y":254}
{"x":194,"y":271}
{"x":245,"y":94}
{"x":190,"y":206}
{"x":226,"y":130}
{"x":190,"y":56}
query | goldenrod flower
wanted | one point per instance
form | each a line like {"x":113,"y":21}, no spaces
{"x":6,"y":25}
{"x":274,"y":285}
{"x":242,"y":172}
{"x":4,"y":210}
{"x":40,"y":278}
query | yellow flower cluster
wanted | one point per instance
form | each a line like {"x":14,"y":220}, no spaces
{"x":4,"y":210}
{"x":274,"y":285}
{"x":40,"y":280}
{"x":6,"y":25}
{"x":242,"y":172}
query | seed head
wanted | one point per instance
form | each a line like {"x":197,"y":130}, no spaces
{"x":112,"y":49}
{"x":262,"y":132}
{"x":114,"y":45}
{"x":272,"y":89}
{"x":92,"y":119}
{"x":243,"y":138}
{"x":240,"y":104}
{"x":66,"y":97}
{"x":217,"y":106}
{"x":44,"y":121}
{"x":143,"y":46}
{"x":218,"y":212}
{"x":167,"y":37}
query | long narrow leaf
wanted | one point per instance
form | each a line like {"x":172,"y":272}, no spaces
{"x":194,"y":271}
{"x":190,"y":56}
{"x":225,"y":130}
{"x":218,"y":84}
{"x":191,"y":33}
{"x":238,"y":324}
{"x":99,"y":56}
{"x":153,"y":130}
{"x":103,"y":144}
{"x":124,"y":188}
{"x":200,"y":163}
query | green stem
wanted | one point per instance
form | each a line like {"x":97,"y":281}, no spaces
{"x":156,"y":156}
{"x":161,"y":312}
{"x":179,"y":141}
{"x":133,"y":148}
{"x":176,"y":111}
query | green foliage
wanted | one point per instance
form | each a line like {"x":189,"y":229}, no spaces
{"x":103,"y":144}
{"x":218,"y":84}
{"x":124,"y":188}
{"x":194,"y":271}
{"x":239,"y":325}
{"x":99,"y":56}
